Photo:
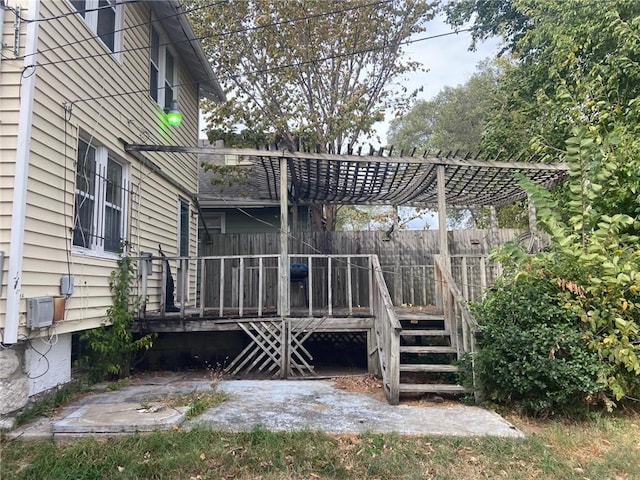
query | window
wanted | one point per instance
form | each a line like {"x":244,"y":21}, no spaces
{"x":215,"y":222}
{"x":100,"y":199}
{"x":163,"y":72}
{"x":183,"y":223}
{"x":104,"y":17}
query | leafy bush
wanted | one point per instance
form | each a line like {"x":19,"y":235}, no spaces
{"x":532,"y":354}
{"x":110,"y":347}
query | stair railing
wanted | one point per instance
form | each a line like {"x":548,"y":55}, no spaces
{"x":462,"y":325}
{"x":387,"y":328}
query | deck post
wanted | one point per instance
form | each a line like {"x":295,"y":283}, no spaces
{"x":283,"y":277}
{"x":203,"y":286}
{"x":163,"y":287}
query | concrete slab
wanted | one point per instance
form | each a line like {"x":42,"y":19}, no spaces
{"x":120,"y":418}
{"x":274,"y":404}
{"x":284,"y":405}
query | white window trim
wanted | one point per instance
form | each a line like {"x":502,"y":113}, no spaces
{"x":91,"y":21}
{"x":223,"y":221}
{"x":97,"y":245}
{"x":163,"y":46}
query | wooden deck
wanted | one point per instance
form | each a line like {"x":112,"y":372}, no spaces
{"x":343,"y":295}
{"x":339,"y":320}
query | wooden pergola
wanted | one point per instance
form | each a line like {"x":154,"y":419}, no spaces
{"x":431,"y":180}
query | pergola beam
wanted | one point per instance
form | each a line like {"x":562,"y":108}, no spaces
{"x":436,"y":160}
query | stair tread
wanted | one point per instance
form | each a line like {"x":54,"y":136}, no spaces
{"x":424,"y":333}
{"x":419,"y":316}
{"x":421,"y":367}
{"x":439,"y":349}
{"x":431,"y":388}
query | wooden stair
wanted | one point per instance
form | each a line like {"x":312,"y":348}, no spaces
{"x":427,"y":355}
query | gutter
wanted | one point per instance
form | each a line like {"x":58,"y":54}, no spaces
{"x":21,"y":178}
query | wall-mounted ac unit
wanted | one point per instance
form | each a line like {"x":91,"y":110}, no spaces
{"x":39,"y":312}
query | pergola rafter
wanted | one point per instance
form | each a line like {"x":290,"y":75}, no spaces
{"x":325,"y":178}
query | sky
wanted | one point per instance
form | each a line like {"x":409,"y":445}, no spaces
{"x":448,"y":60}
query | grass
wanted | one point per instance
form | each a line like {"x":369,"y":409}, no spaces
{"x":51,"y":401}
{"x":606,"y":447}
{"x":197,"y":402}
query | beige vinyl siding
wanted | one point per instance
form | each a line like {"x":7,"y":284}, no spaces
{"x":10,"y":77}
{"x":151,"y":209}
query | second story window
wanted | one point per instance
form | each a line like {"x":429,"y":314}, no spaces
{"x":163,"y":72}
{"x":104,"y":18}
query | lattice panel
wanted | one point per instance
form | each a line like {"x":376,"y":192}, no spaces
{"x":264,"y":353}
{"x":268,"y":350}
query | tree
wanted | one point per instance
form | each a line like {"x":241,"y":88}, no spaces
{"x":572,"y":94}
{"x":310,"y":74}
{"x":568,"y":56}
{"x":453,"y":120}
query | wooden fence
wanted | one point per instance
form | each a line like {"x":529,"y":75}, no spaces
{"x":406,"y":259}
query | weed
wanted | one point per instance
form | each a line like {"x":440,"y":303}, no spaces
{"x":47,"y":403}
{"x":197,"y":401}
{"x":118,"y":384}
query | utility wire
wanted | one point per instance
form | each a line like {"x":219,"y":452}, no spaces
{"x":200,"y":38}
{"x":62,"y":15}
{"x":291,"y":65}
{"x":130,"y":27}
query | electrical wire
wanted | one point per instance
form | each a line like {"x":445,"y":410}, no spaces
{"x":42,"y":356}
{"x":198,"y":38}
{"x":56,"y":17}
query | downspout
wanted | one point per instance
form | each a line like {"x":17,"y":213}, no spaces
{"x":21,"y":177}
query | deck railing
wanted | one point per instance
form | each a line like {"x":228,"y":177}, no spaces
{"x":458,"y":318}
{"x":387,"y":328}
{"x":247,"y":285}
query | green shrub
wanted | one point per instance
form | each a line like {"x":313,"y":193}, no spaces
{"x":110,"y":348}
{"x":532,"y":354}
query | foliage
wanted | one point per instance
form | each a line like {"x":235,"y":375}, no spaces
{"x":596,"y":249}
{"x":49,"y":402}
{"x":490,"y":18}
{"x":453,"y":120}
{"x":312,"y":72}
{"x":571,"y":94}
{"x":111,"y":346}
{"x":308,"y":74}
{"x":594,"y":258}
{"x":573,"y":62}
{"x":532,"y":354}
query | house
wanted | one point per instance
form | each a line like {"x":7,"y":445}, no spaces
{"x":231,"y":201}
{"x":79,"y":80}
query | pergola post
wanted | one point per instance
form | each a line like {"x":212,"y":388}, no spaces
{"x":283,"y":279}
{"x":444,"y":240}
{"x":442,"y":218}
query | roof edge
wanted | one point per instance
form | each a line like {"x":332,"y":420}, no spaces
{"x":209,"y":85}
